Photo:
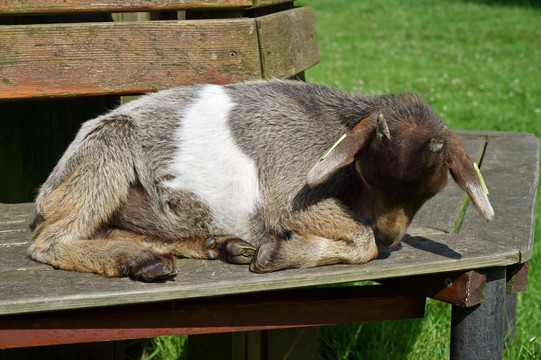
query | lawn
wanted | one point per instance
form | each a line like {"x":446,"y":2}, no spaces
{"x":478,"y":63}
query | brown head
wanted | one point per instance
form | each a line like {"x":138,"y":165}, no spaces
{"x":403,"y":154}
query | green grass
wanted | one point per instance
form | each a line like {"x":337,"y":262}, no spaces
{"x":166,"y":347}
{"x":478,"y":63}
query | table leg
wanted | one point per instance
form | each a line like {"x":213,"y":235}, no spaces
{"x":477,"y":332}
{"x":510,"y":317}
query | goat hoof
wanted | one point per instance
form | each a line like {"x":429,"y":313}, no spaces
{"x":240,"y":249}
{"x":212,"y":248}
{"x":156,"y":269}
{"x":235,"y":250}
{"x":240,"y":259}
{"x":265,"y":259}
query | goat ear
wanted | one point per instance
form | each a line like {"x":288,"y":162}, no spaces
{"x":341,"y":154}
{"x":465,"y":175}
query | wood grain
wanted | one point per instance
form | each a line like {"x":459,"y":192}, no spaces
{"x":511,"y":171}
{"x":516,"y":278}
{"x":63,"y":60}
{"x":288,"y":42}
{"x":274,"y":310}
{"x":458,"y":288}
{"x":198,"y":278}
{"x":23,"y":7}
{"x":121,"y":58}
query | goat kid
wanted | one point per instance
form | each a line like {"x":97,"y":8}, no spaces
{"x":236,"y":172}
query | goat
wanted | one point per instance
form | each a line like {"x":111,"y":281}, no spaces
{"x":236,"y":172}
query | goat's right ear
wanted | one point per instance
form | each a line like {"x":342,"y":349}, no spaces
{"x":465,"y":175}
{"x":342,"y":153}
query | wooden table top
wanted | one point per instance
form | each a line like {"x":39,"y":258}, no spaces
{"x":510,"y":168}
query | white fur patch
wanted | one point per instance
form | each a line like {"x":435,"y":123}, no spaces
{"x":211,"y":165}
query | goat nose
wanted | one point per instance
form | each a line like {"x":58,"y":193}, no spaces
{"x":387,"y":239}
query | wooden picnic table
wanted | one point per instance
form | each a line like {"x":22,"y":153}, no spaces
{"x":472,"y":269}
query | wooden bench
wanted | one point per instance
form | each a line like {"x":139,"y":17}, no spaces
{"x":449,"y":254}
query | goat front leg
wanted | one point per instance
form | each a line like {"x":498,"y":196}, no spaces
{"x":307,"y":250}
{"x":226,"y":247}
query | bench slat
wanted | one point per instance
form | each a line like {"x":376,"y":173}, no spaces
{"x":20,"y":7}
{"x":90,"y":59}
{"x":44,"y":289}
{"x":61,"y":60}
{"x":293,"y":34}
{"x":510,"y":169}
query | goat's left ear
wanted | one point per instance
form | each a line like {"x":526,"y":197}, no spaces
{"x":344,"y":151}
{"x":465,"y":175}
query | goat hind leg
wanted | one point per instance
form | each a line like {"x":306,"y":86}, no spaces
{"x":74,"y":211}
{"x":306,"y":250}
{"x":108,"y":257}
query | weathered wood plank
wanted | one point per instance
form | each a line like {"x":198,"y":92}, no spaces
{"x":274,"y":310}
{"x":15,"y":213}
{"x":14,"y":258}
{"x":288,"y":42}
{"x":23,"y":7}
{"x":262,"y":3}
{"x":58,"y":289}
{"x":511,"y":170}
{"x":457,"y":288}
{"x":443,"y":210}
{"x":83,"y":59}
{"x":516,"y":278}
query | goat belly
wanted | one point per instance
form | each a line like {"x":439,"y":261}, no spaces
{"x":209,"y":163}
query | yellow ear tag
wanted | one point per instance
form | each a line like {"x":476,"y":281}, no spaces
{"x":333,"y":147}
{"x":480,"y":177}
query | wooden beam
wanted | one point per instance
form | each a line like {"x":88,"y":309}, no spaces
{"x":91,"y":59}
{"x":261,"y":311}
{"x":63,"y":60}
{"x":288,"y":42}
{"x":516,"y":278}
{"x":457,"y":288}
{"x":511,"y":171}
{"x":24,"y":7}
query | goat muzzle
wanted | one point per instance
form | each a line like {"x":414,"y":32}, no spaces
{"x":388,"y":239}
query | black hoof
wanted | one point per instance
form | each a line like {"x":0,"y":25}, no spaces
{"x":235,"y":250}
{"x":239,"y":251}
{"x":265,"y":259}
{"x":155,"y":269}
